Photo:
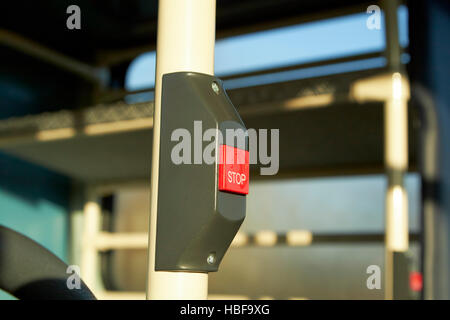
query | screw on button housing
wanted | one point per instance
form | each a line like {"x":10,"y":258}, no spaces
{"x":211,"y":258}
{"x":215,"y":87}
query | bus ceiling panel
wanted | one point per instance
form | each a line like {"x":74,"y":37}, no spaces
{"x":130,"y":24}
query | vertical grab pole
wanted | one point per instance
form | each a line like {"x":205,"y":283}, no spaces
{"x":395,"y":149}
{"x":396,"y":163}
{"x":185,"y":42}
{"x":91,"y":227}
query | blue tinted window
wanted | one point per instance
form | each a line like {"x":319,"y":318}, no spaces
{"x":307,"y":42}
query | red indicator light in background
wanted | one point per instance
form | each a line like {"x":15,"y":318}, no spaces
{"x":415,"y":281}
{"x":234,"y":169}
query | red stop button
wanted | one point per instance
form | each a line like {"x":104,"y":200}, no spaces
{"x":415,"y":281}
{"x":234,"y":169}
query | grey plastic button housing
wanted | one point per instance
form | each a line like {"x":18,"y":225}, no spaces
{"x":195,"y":220}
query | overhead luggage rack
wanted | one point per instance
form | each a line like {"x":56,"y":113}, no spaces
{"x":115,"y":138}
